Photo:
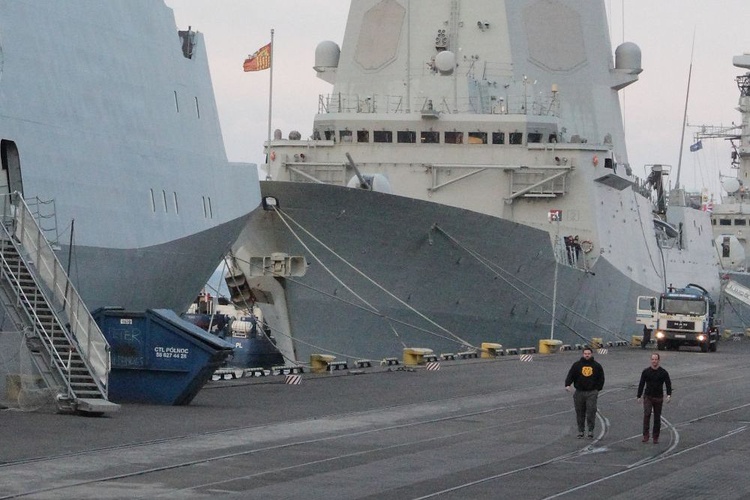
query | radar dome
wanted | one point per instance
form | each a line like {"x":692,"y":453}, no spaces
{"x":327,"y":55}
{"x":628,"y":58}
{"x":445,"y":62}
{"x":730,"y":184}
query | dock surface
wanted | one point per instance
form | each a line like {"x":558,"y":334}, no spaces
{"x":478,"y":428}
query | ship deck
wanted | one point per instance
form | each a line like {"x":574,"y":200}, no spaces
{"x":476,"y":428}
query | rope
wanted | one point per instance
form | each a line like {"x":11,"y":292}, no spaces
{"x":490,"y":265}
{"x":412,"y":309}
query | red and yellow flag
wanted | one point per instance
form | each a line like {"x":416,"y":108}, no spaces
{"x":260,"y":60}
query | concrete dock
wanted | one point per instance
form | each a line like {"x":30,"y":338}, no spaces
{"x":475,"y":428}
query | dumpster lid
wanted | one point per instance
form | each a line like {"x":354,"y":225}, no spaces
{"x":171,"y":317}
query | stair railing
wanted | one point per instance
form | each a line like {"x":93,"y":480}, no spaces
{"x":63,"y":296}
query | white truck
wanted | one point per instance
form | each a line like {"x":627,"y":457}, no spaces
{"x":680,"y":317}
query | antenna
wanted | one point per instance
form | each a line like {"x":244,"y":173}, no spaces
{"x":684,"y":115}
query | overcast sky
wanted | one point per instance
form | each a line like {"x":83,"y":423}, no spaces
{"x":653,"y":107}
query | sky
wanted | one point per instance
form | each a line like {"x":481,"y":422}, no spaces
{"x":667,"y":31}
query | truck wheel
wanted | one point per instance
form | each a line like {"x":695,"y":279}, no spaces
{"x":660,"y":346}
{"x":712,"y":347}
{"x":704,"y":347}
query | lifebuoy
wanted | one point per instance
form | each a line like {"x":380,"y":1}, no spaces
{"x":586,"y":246}
{"x":273,"y":155}
{"x":595,"y":160}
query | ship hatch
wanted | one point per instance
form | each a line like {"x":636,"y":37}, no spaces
{"x":615,"y":182}
{"x":10,"y":181}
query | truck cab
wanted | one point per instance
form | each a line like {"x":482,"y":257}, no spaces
{"x":680,"y":317}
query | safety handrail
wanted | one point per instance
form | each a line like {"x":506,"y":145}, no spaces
{"x":63,"y":296}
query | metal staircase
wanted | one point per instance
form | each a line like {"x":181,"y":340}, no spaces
{"x":66,"y":346}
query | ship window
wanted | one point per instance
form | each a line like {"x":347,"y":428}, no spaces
{"x":454,"y":137}
{"x":535,"y":137}
{"x":430,"y":137}
{"x":498,"y":137}
{"x":477,"y":137}
{"x":382,"y":136}
{"x":725,"y":222}
{"x":740,"y":222}
{"x":725,"y":247}
{"x":330,"y":135}
{"x":553,"y":138}
{"x":406,"y":136}
{"x":363,"y":136}
{"x":515,"y":138}
{"x":345,"y":135}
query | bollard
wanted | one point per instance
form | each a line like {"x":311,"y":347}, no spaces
{"x":491,"y":350}
{"x":319,"y":362}
{"x":415,"y":355}
{"x":549,"y":346}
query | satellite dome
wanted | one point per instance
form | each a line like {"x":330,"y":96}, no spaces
{"x":445,"y":62}
{"x":730,"y":184}
{"x":327,"y":55}
{"x":628,"y":57}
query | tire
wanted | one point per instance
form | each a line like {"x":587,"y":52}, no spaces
{"x":660,"y":346}
{"x":704,"y":347}
{"x":713,"y":346}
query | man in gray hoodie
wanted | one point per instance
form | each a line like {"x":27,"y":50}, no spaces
{"x":587,"y":376}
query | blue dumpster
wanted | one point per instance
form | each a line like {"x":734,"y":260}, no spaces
{"x":157,"y":357}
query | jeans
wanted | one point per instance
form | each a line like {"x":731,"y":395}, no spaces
{"x":585,"y":405}
{"x":652,"y":404}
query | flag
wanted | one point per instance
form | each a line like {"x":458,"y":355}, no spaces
{"x":260,"y":60}
{"x":695,"y":147}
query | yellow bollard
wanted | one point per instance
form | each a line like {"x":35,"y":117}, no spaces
{"x":549,"y":346}
{"x":636,"y":340}
{"x":491,"y":349}
{"x":597,"y":343}
{"x":415,"y":355}
{"x":319,"y":362}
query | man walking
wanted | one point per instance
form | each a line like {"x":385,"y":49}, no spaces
{"x":587,"y":376}
{"x":653,"y":378}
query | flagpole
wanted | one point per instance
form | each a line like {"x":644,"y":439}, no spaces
{"x":270,"y":105}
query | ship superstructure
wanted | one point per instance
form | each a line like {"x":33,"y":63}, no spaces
{"x":466,"y":180}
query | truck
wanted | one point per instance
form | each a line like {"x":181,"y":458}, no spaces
{"x":680,"y":317}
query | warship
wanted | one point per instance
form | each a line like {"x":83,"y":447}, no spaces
{"x":465,"y":183}
{"x":110,"y":133}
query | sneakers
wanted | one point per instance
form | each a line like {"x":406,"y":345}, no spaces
{"x":645,"y":438}
{"x":656,"y":439}
{"x":580,"y":435}
{"x":591,"y":434}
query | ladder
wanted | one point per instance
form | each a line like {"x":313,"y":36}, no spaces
{"x":65,"y":344}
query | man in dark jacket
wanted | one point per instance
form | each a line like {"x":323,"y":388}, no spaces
{"x":587,"y":376}
{"x":653,"y":378}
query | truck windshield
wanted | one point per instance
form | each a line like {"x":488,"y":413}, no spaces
{"x":683,"y":306}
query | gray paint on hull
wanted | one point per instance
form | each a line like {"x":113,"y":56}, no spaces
{"x":167,"y":276}
{"x":392,"y":240}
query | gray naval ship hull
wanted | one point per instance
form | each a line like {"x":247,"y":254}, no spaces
{"x":109,"y":126}
{"x":421,"y":252}
{"x":464,"y":145}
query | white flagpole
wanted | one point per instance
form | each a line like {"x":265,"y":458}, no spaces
{"x":270,"y":104}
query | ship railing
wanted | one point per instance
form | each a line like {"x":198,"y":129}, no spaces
{"x":62,"y":295}
{"x":537,"y":105}
{"x":569,"y":253}
{"x":317,"y":172}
